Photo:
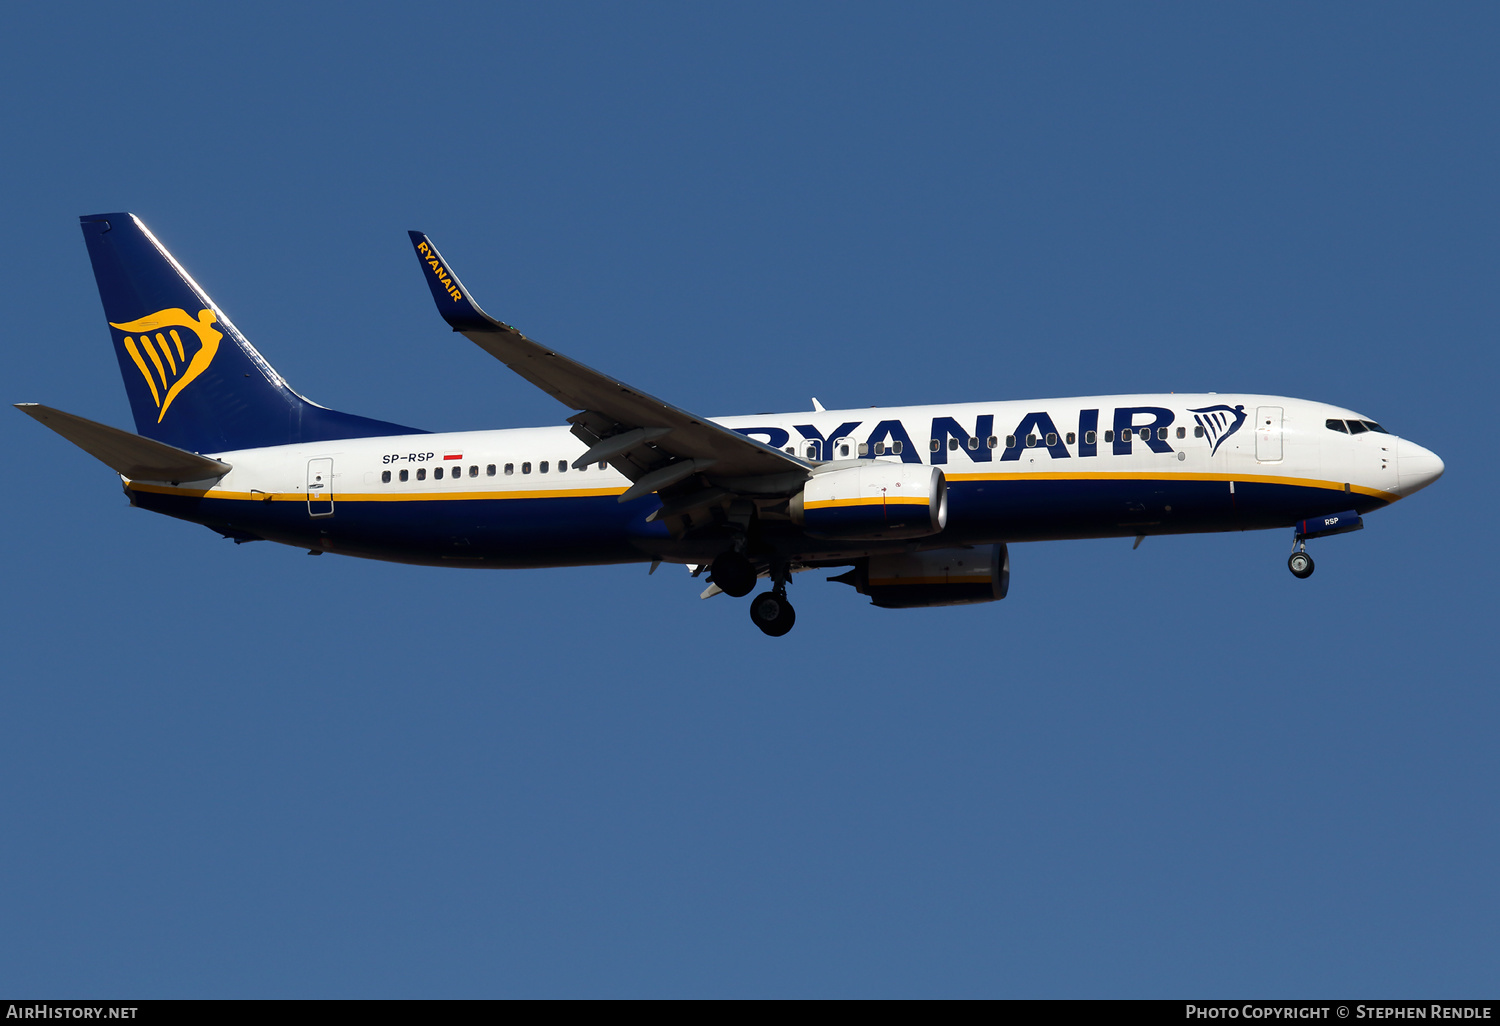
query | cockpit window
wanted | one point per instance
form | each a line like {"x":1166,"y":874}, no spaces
{"x":1357,"y":427}
{"x":1374,"y":427}
{"x":1336,"y":425}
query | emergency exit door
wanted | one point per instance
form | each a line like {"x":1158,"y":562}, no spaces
{"x":1268,"y":434}
{"x":320,"y":488}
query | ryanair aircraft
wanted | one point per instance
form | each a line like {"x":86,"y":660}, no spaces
{"x":919,"y":502}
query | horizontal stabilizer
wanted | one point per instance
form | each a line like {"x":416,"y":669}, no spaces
{"x":138,"y":458}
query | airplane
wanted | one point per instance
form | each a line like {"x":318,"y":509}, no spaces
{"x":918,"y":502}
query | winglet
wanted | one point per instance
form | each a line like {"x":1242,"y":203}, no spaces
{"x":452,"y":299}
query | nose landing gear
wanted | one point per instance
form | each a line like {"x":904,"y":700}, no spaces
{"x":1300,"y":564}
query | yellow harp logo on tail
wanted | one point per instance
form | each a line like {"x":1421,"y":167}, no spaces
{"x":155,"y":344}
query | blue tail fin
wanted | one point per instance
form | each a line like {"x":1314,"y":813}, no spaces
{"x":193,"y":380}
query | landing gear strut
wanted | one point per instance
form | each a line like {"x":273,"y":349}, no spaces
{"x":770,"y":610}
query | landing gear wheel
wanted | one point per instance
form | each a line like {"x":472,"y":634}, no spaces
{"x":1301,"y":565}
{"x":733,"y":573}
{"x":772,"y":613}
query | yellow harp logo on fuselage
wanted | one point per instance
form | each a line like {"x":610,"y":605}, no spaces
{"x":155,"y":344}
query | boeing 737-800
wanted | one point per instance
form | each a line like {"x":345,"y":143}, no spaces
{"x":918,"y":502}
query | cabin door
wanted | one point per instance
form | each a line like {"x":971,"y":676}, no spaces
{"x":1268,"y":434}
{"x":320,"y":488}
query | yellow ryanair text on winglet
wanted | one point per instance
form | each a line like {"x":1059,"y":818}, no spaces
{"x":174,"y":368}
{"x":443,"y":277}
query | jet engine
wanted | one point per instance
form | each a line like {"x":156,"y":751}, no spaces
{"x":872,"y":500}
{"x":941,"y":577}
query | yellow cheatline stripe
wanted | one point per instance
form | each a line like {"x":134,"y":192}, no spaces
{"x":977,"y":577}
{"x":1128,"y":475}
{"x":338,"y":496}
{"x":893,"y":500}
{"x":435,"y":496}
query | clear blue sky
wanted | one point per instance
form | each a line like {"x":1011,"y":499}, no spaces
{"x":241,"y":771}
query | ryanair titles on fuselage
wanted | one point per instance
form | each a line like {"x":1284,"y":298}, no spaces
{"x":1149,"y":425}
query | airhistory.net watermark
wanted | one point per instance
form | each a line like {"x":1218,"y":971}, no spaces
{"x":43,"y":1010}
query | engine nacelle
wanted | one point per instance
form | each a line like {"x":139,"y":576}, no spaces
{"x":873,"y":500}
{"x":942,"y":577}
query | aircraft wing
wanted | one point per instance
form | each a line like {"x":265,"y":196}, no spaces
{"x":138,"y":458}
{"x":655,"y":444}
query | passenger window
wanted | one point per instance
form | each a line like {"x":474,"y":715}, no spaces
{"x":510,"y":468}
{"x":526,"y":468}
{"x":1198,"y":431}
{"x":437,"y":473}
{"x":952,"y":444}
{"x":1109,"y":435}
{"x":489,"y":471}
{"x":1010,"y":441}
{"x":1161,"y":434}
{"x":879,"y":448}
{"x":1182,"y":432}
{"x":1091,"y":437}
{"x":1357,"y":427}
{"x":603,"y":464}
{"x":1072,"y":438}
{"x":421,"y":473}
{"x":1125,"y":434}
{"x":935,"y":445}
{"x":1336,"y":425}
{"x":791,"y":450}
{"x":542,"y":467}
{"x":1031,"y":441}
{"x":993,"y":442}
{"x":864,"y":448}
{"x":896,"y":447}
{"x":1374,"y":427}
{"x":844,"y":450}
{"x":973,"y":443}
{"x":562,"y":466}
{"x":403,"y":475}
{"x":385,"y":477}
{"x":1051,"y":439}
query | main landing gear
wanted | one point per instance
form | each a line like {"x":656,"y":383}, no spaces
{"x":770,"y":610}
{"x":772,"y":613}
{"x":734,"y":575}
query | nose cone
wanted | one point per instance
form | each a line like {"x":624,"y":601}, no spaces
{"x":1416,"y":467}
